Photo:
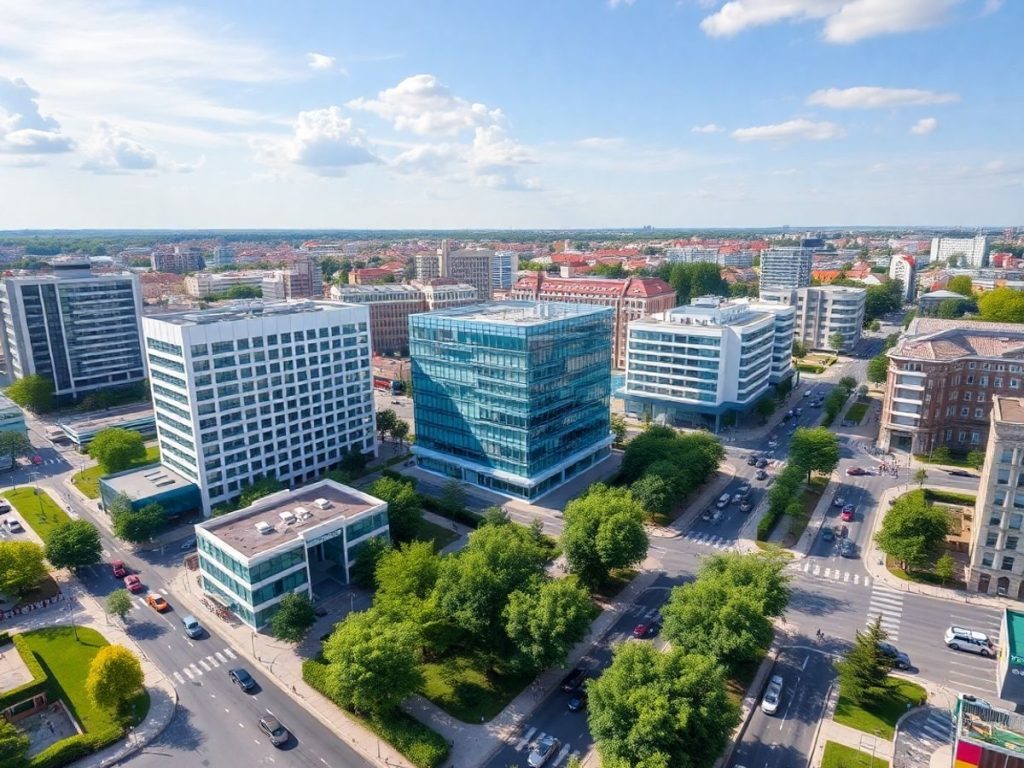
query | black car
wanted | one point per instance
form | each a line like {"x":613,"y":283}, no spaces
{"x":751,"y":460}
{"x":574,"y":680}
{"x":242,"y":679}
{"x":960,"y":473}
{"x":578,"y":701}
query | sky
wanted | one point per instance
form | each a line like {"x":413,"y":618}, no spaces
{"x":510,"y":113}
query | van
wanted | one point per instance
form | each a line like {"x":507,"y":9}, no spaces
{"x":723,"y":500}
{"x":961,"y":639}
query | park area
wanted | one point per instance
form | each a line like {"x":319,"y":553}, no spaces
{"x":881,"y":717}
{"x":39,"y":510}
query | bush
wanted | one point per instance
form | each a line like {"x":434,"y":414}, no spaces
{"x":37,"y":684}
{"x":464,"y":516}
{"x":75,"y":747}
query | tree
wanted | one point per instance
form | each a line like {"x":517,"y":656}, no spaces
{"x":941,"y":454}
{"x":14,"y":444}
{"x":138,"y":526}
{"x":618,"y":427}
{"x":950,"y":309}
{"x":1000,"y":305}
{"x":453,"y":497}
{"x":960,"y":284}
{"x":874,"y":326}
{"x":373,"y":661}
{"x":920,"y":476}
{"x":913,"y":531}
{"x":368,"y":555}
{"x":257,"y":489}
{"x":604,"y":529}
{"x":864,"y":671}
{"x":119,"y":603}
{"x":654,"y":710}
{"x":878,"y":369}
{"x":814,"y":450}
{"x":121,"y":504}
{"x":546,"y":621}
{"x":976,"y":458}
{"x":404,"y":511}
{"x":400,"y":431}
{"x":116,"y":449}
{"x":386,"y":421}
{"x":765,"y":408}
{"x":14,"y":744}
{"x":945,"y":568}
{"x":353,"y":462}
{"x":848,"y":383}
{"x":409,"y":572}
{"x":115,"y":675}
{"x":294,"y":617}
{"x":34,"y":392}
{"x":799,"y":349}
{"x":21,"y":566}
{"x":653,"y":493}
{"x":836,"y":340}
{"x":74,"y":544}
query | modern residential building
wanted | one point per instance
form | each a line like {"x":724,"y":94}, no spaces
{"x":223,"y":256}
{"x":427,"y":265}
{"x":504,"y":268}
{"x":203,"y":284}
{"x":512,"y":396}
{"x":260,"y":389}
{"x":942,"y":377}
{"x":181,"y":259}
{"x":471,"y":266}
{"x":691,"y":365}
{"x":786,"y":268}
{"x":903,"y":267}
{"x":997,"y":559}
{"x":692,"y":254}
{"x":824,"y":311}
{"x":77,"y":329}
{"x":302,"y":280}
{"x":966,"y":251}
{"x":742,"y":258}
{"x":290,"y":541}
{"x":390,"y":306}
{"x":631,"y":298}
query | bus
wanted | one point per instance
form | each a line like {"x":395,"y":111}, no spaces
{"x":389,"y":385}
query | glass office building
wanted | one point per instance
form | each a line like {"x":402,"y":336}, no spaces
{"x":512,"y":396}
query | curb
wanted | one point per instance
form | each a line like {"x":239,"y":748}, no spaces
{"x":747,"y":705}
{"x":137,"y":743}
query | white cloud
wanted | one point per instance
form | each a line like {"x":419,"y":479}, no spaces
{"x":423,"y":104}
{"x":23,"y":128}
{"x":323,"y":140}
{"x":319,"y":61}
{"x":991,"y":6}
{"x":111,"y":151}
{"x":846,"y":21}
{"x":874,"y":97}
{"x":618,"y":3}
{"x":924,"y":126}
{"x":601,"y":142}
{"x":798,"y":129}
{"x":707,"y":128}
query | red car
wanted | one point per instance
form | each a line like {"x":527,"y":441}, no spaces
{"x":119,"y":569}
{"x":133,"y":583}
{"x":857,"y":471}
{"x":641,"y":631}
{"x":847,"y":513}
{"x":37,"y":460}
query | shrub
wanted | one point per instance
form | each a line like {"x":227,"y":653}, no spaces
{"x":465,"y":516}
{"x":37,"y":684}
{"x":75,"y":747}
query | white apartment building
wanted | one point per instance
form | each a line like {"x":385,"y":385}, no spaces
{"x":210,"y":283}
{"x":823,"y":311}
{"x":504,"y":269}
{"x":783,"y":268}
{"x":254,"y":390}
{"x":692,"y":364}
{"x":77,"y":329}
{"x":903,"y":268}
{"x":969,"y":251}
{"x":691,"y":254}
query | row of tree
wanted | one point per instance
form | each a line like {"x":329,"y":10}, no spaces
{"x":388,"y":423}
{"x":810,"y":450}
{"x":73,"y":544}
{"x":837,"y":398}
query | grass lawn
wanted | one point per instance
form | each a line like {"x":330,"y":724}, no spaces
{"x":842,"y":756}
{"x":921,"y":577}
{"x":856,"y":412}
{"x":617,"y":581}
{"x":952,"y":461}
{"x":738,"y":683}
{"x":881,"y":717}
{"x":438,"y":534}
{"x":88,"y":480}
{"x":66,"y":662}
{"x":949,"y":497}
{"x":39,"y":511}
{"x":464,"y":689}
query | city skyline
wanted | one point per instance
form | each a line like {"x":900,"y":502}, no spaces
{"x":592,"y":114}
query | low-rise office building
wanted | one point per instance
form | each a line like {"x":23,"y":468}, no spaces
{"x":290,"y":541}
{"x":824,"y":313}
{"x":155,"y":484}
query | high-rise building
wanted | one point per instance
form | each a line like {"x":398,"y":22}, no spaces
{"x":904,"y":268}
{"x":631,"y":298}
{"x":427,"y":266}
{"x":504,"y":268}
{"x":471,"y":266}
{"x":824,"y":311}
{"x":255,"y":390}
{"x":966,"y":251}
{"x":77,"y":329}
{"x":302,"y":280}
{"x":785,"y":268}
{"x":692,"y":254}
{"x":691,"y":365}
{"x":512,"y":396}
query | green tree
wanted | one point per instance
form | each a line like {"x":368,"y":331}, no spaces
{"x":920,"y":476}
{"x":864,"y":671}
{"x":21,"y":566}
{"x":878,"y":369}
{"x":608,"y":270}
{"x":138,"y":526}
{"x":14,"y":444}
{"x":848,"y":383}
{"x":368,"y":555}
{"x":293,"y":618}
{"x":881,"y":299}
{"x":941,"y":454}
{"x":945,"y":568}
{"x":353,"y":462}
{"x":836,"y":341}
{"x":913,"y":531}
{"x":960,"y":284}
{"x":976,"y":458}
{"x":453,"y":496}
{"x":257,"y":489}
{"x":386,"y":421}
{"x":74,"y":544}
{"x":604,"y":529}
{"x":618,"y":427}
{"x":373,"y":661}
{"x":115,"y":676}
{"x":765,"y":408}
{"x":654,"y":710}
{"x":874,"y":326}
{"x":121,"y":504}
{"x":546,"y":620}
{"x":799,"y":349}
{"x":653,"y":493}
{"x":783,"y":388}
{"x":119,"y":603}
{"x":950,"y":309}
{"x":405,"y":513}
{"x":408,"y":572}
{"x":814,"y":450}
{"x":116,"y":449}
{"x":34,"y":392}
{"x":400,"y":432}
{"x":1000,"y":305}
{"x":14,"y":744}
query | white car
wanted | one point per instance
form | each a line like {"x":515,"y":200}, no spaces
{"x":543,"y":750}
{"x":962,"y":639}
{"x":772,"y":696}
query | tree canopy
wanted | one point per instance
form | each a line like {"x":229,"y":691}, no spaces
{"x":693,"y":280}
{"x":960,"y":284}
{"x":119,"y":603}
{"x":293,"y":618}
{"x":815,"y":449}
{"x":604,"y":529}
{"x":115,"y":675}
{"x":878,"y":369}
{"x":1002,"y":305}
{"x":21,"y":566}
{"x":14,"y":444}
{"x":116,"y":449}
{"x":913,"y":531}
{"x":14,"y":744}
{"x":864,"y":671}
{"x":74,"y":544}
{"x":138,"y":526}
{"x":34,"y":392}
{"x":545,"y":620}
{"x":404,"y":511}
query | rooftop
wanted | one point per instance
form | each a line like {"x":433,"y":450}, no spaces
{"x":1011,"y":411}
{"x":244,"y":310}
{"x":930,"y":338}
{"x":287,"y":516}
{"x":516,"y":313}
{"x":111,"y":417}
{"x":940,"y":296}
{"x":148,"y":481}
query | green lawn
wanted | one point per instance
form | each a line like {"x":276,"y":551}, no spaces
{"x":438,"y":534}
{"x":40,"y":511}
{"x":88,"y":480}
{"x":920,"y":577}
{"x":463,"y":688}
{"x":66,"y":662}
{"x":841,"y":756}
{"x":883,"y":716}
{"x":856,"y":412}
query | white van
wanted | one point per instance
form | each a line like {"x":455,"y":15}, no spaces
{"x":723,"y":500}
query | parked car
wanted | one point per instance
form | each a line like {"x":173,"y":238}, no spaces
{"x":962,"y":639}
{"x":900,"y":660}
{"x":847,"y":548}
{"x":242,"y":678}
{"x":192,"y":626}
{"x":707,"y":514}
{"x":641,"y":631}
{"x":120,"y":571}
{"x":7,"y":507}
{"x":773,"y":443}
{"x":855,"y":471}
{"x":772,"y":696}
{"x":808,"y":392}
{"x":133,"y":583}
{"x":574,"y":679}
{"x":751,"y":460}
{"x":543,"y":751}
{"x":188,"y":544}
{"x":744,"y":489}
{"x":276,"y":732}
{"x":761,"y":463}
{"x":838,"y":501}
{"x":827,"y":534}
{"x":37,"y":460}
{"x":761,"y":474}
{"x":723,"y":501}
{"x":737,"y":498}
{"x":745,"y":505}
{"x":842,"y":531}
{"x":13,"y":525}
{"x":847,"y":513}
{"x":157,"y":602}
{"x":578,"y":701}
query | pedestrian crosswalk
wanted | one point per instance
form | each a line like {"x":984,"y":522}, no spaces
{"x":887,"y":604}
{"x":830,"y":573}
{"x":642,"y":611}
{"x":203,"y":665}
{"x":920,"y":736}
{"x":531,"y":737}
{"x":709,"y":539}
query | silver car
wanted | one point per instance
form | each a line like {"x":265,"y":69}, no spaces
{"x":543,"y":751}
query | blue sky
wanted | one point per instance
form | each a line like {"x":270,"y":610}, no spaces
{"x":579,"y":113}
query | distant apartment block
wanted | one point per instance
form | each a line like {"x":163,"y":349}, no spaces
{"x":179,"y":260}
{"x":427,"y":266}
{"x":824,"y":311}
{"x":631,"y":298}
{"x":77,"y":329}
{"x":786,"y":268}
{"x":223,"y":256}
{"x":302,"y":280}
{"x":203,"y":284}
{"x":370,"y":276}
{"x":968,"y":251}
{"x":943,"y":375}
{"x":504,"y":268}
{"x":265,"y":389}
{"x":512,"y":396}
{"x":691,"y":365}
{"x":903,"y":267}
{"x":691,"y":254}
{"x":472,"y":266}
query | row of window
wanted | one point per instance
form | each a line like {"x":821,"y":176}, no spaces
{"x":220,"y":347}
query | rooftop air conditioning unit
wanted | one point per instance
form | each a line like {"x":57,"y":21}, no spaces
{"x":287,"y":517}
{"x":302,"y":512}
{"x":322,"y":503}
{"x":264,"y":527}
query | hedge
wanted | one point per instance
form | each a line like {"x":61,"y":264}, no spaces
{"x":37,"y":684}
{"x":464,"y":516}
{"x":949,"y":497}
{"x":423,"y":747}
{"x":808,"y":368}
{"x":74,"y":748}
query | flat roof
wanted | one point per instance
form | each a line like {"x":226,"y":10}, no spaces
{"x":246,"y":309}
{"x":238,"y":529}
{"x":147,"y":481}
{"x":517,"y":313}
{"x":111,"y":417}
{"x":1011,"y":411}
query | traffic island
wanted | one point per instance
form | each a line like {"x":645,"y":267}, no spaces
{"x":838,"y":755}
{"x":880,"y":718}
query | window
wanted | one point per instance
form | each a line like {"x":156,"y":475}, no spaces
{"x":1007,"y":564}
{"x":220,"y":347}
{"x":978,"y":413}
{"x":984,"y":381}
{"x":964,"y":412}
{"x":1011,"y":542}
{"x":1015,"y":521}
{"x":975,"y":438}
{"x":986,"y":560}
{"x":998,"y":381}
{"x":968,"y":396}
{"x":992,"y":538}
{"x":1014,"y":383}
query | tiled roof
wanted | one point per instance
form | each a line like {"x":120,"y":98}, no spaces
{"x":931,"y":338}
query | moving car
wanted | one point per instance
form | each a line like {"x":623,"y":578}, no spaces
{"x":37,"y":460}
{"x":641,"y":631}
{"x":960,"y":473}
{"x":192,"y":626}
{"x":808,"y":393}
{"x":962,"y":639}
{"x":745,"y":505}
{"x":847,"y":513}
{"x":120,"y":571}
{"x":574,"y":679}
{"x":737,"y":498}
{"x":133,"y":583}
{"x":707,"y":514}
{"x":827,"y":534}
{"x":838,"y":501}
{"x":277,"y":733}
{"x":157,"y":602}
{"x":744,"y":489}
{"x":847,"y":548}
{"x":723,"y":501}
{"x":772,"y":696}
{"x":761,"y":474}
{"x":543,"y":750}
{"x":857,"y":471}
{"x":900,"y":660}
{"x":578,"y":701}
{"x":13,"y":525}
{"x":242,"y":678}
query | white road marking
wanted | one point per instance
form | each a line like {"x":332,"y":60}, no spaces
{"x":828,"y":572}
{"x":163,"y":592}
{"x":191,"y":675}
{"x":204,"y":665}
{"x":817,"y":570}
{"x":220,"y":657}
{"x":846,"y":576}
{"x":564,"y":753}
{"x":525,"y":740}
{"x":179,"y":678}
{"x":195,"y":669}
{"x":229,"y":653}
{"x":213,"y":662}
{"x":804,"y":665}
